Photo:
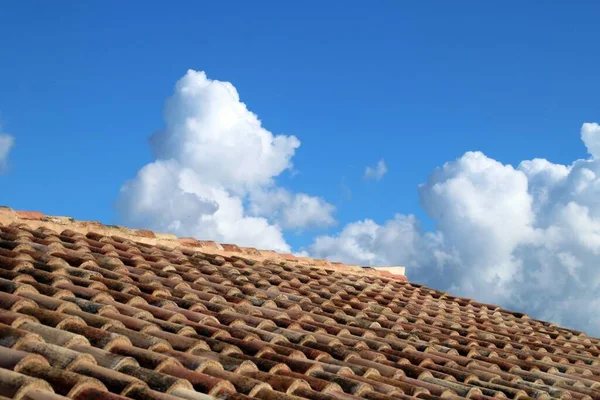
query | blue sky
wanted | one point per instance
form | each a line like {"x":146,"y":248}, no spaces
{"x":416,"y":85}
{"x":83,"y":86}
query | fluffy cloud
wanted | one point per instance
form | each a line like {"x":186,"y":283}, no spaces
{"x":6,"y":144}
{"x":209,"y":130}
{"x":376,"y":172}
{"x":399,"y":241}
{"x":526,"y":237}
{"x":210,"y":158}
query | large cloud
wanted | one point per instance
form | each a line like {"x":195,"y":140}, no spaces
{"x":6,"y":144}
{"x":212,"y":155}
{"x":526,"y":237}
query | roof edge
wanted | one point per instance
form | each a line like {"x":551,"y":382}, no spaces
{"x":37,"y":219}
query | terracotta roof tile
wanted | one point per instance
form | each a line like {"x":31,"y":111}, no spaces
{"x":88,"y":311}
{"x":30,"y":214}
{"x":231,"y":247}
{"x":250,"y":251}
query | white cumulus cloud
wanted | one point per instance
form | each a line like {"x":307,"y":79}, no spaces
{"x":399,"y":241}
{"x":376,"y":172}
{"x":211,"y":156}
{"x":527,"y":238}
{"x":209,"y":130}
{"x":6,"y":144}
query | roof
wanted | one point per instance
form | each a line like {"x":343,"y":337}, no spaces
{"x":86,"y":313}
{"x":36,"y":219}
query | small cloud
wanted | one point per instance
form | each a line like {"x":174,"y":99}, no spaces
{"x":345,"y":189}
{"x":292,"y":211}
{"x":301,"y":253}
{"x":376,"y":172}
{"x":6,"y":144}
{"x":590,"y":134}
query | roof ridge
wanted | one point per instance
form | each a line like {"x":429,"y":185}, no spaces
{"x":38,"y":219}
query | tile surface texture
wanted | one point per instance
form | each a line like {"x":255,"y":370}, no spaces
{"x":88,"y":314}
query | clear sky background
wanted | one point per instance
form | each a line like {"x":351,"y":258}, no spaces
{"x":416,"y":84}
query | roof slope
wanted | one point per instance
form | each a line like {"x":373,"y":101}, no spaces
{"x":88,"y":315}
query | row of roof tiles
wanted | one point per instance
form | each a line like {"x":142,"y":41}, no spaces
{"x":89,"y":315}
{"x":36,"y":218}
